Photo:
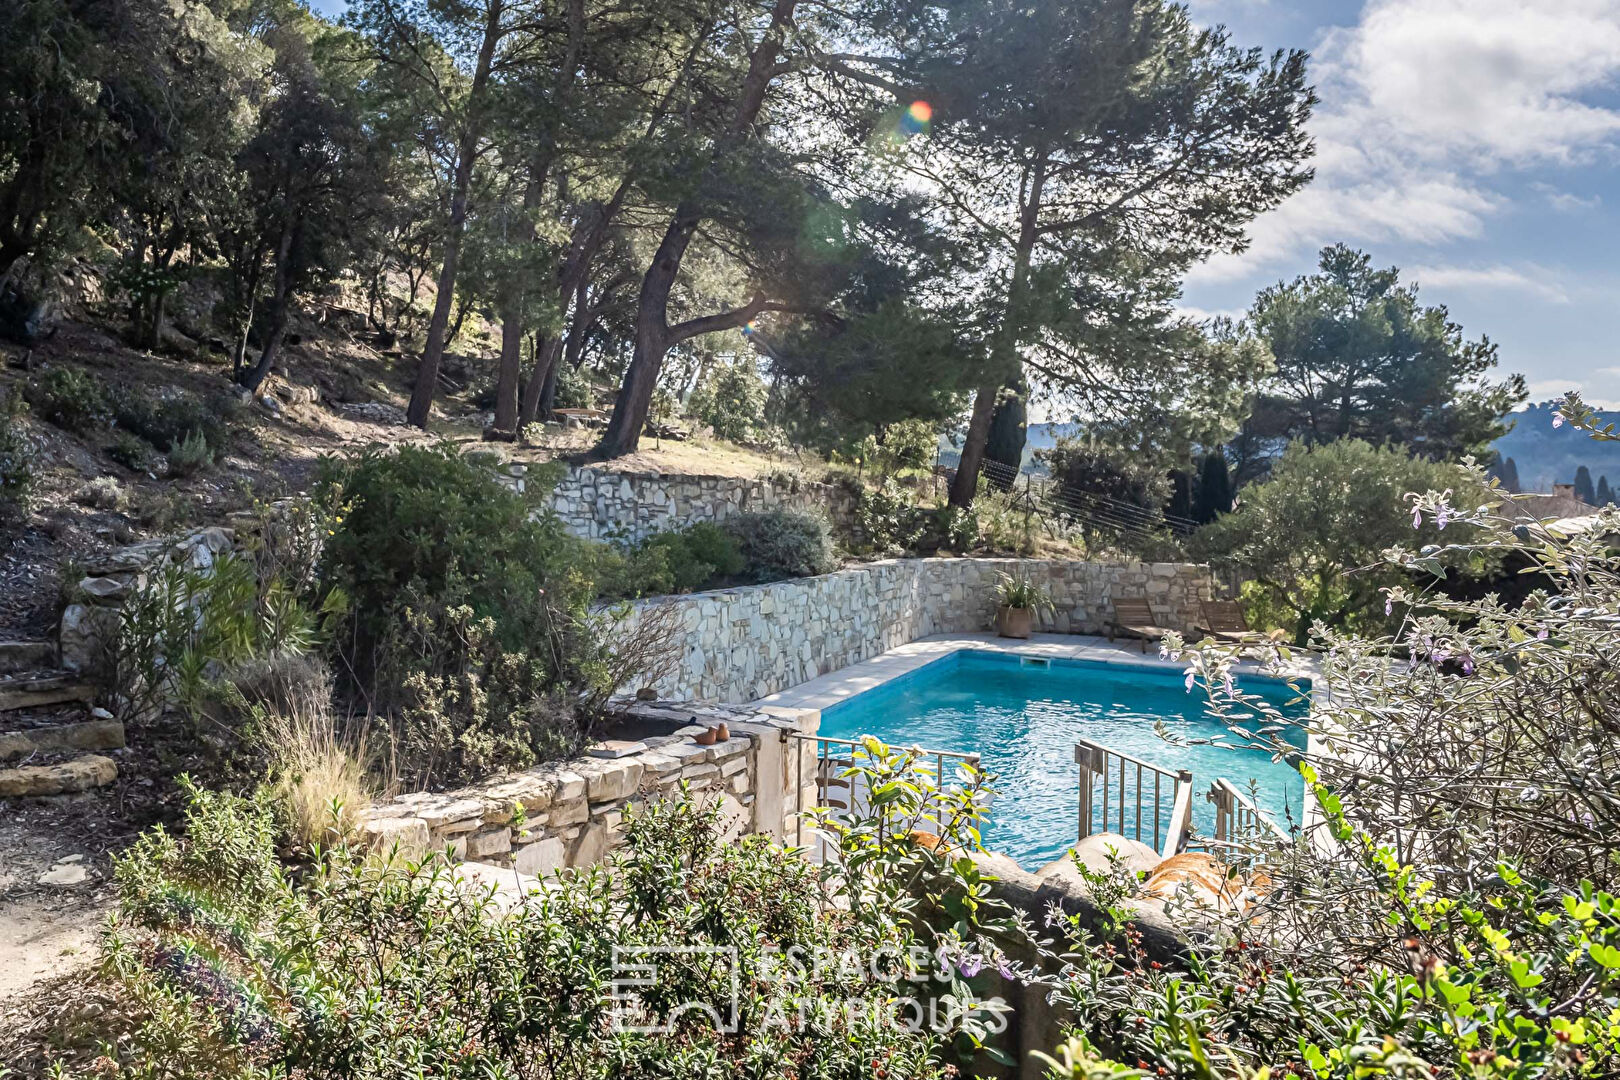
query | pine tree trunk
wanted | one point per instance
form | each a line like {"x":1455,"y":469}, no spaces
{"x":506,"y":379}
{"x":1004,"y":352}
{"x":427,"y":375}
{"x":653,"y":339}
{"x":545,"y":368}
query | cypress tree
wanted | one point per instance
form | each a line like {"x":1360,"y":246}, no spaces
{"x":1605,"y":494}
{"x":1510,"y":475}
{"x":1583,"y":486}
{"x":1214,"y":496}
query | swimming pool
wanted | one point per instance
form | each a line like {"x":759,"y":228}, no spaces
{"x":1023,"y":718}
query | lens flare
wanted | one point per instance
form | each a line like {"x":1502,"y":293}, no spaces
{"x":914,"y":121}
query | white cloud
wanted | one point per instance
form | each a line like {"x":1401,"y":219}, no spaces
{"x":1422,"y":101}
{"x":1567,"y":202}
{"x":1532,"y":280}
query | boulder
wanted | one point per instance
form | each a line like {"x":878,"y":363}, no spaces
{"x":1196,"y":876}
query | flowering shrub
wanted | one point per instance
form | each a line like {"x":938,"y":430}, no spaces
{"x":364,"y":967}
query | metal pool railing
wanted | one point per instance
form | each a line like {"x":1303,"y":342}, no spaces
{"x":817,"y":774}
{"x":1115,"y":785}
{"x":1238,"y":821}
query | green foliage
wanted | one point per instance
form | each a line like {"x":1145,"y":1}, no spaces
{"x":731,"y":400}
{"x":373,"y":969}
{"x":1022,"y":591}
{"x":185,"y":630}
{"x":190,"y":455}
{"x":1357,"y":356}
{"x":573,"y":388}
{"x":778,"y":544}
{"x":16,"y":463}
{"x":887,"y":518}
{"x":69,"y":398}
{"x":130,"y":451}
{"x":699,"y":556}
{"x":470,"y":618}
{"x":1312,"y":533}
{"x":169,"y":420}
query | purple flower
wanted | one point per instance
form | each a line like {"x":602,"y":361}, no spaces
{"x":1417,"y":517}
{"x":1389,"y":606}
{"x":1005,"y":969}
{"x":1440,"y":518}
{"x":1558,"y":419}
{"x":1541,"y":635}
{"x":970,"y":965}
{"x":1191,"y":678}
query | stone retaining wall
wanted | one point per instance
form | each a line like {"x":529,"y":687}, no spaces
{"x":742,"y":644}
{"x":571,"y":813}
{"x":604,"y":503}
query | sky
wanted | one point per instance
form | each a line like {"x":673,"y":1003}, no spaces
{"x":1475,"y":144}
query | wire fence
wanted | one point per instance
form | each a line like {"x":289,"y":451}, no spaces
{"x":1061,"y":511}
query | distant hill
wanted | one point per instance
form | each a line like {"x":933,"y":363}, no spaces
{"x":1546,"y":455}
{"x":1038,"y":437}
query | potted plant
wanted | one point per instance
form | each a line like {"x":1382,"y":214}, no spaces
{"x":1018,"y":600}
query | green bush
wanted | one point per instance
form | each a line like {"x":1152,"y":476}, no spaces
{"x":777,"y":544}
{"x":731,"y":400}
{"x":168,"y":421}
{"x":700,"y":556}
{"x":190,"y":455}
{"x":70,"y":399}
{"x":130,"y":451}
{"x":366,"y":969}
{"x":16,"y":463}
{"x":887,"y":518}
{"x":469,"y":617}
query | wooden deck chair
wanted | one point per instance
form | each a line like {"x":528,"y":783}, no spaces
{"x":1223,"y":620}
{"x":1134,"y":618}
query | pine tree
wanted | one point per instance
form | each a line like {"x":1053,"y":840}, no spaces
{"x":1583,"y":486}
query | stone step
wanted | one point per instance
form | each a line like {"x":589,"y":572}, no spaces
{"x":99,"y":733}
{"x":83,"y":773}
{"x":18,"y":656}
{"x":34,"y":690}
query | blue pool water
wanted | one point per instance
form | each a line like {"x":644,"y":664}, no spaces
{"x":1023,"y":720}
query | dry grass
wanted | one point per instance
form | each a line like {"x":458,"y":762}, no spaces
{"x":319,"y":765}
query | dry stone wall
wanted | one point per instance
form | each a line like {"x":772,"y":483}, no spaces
{"x":742,"y":644}
{"x":608,"y":504}
{"x":571,"y":814}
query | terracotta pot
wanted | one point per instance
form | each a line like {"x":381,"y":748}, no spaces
{"x":1014,"y":622}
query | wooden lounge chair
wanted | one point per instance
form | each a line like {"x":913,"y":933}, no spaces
{"x":1134,"y":618}
{"x":1224,"y":621}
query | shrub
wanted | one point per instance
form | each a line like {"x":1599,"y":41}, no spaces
{"x":887,"y":519}
{"x":469,"y":615}
{"x":731,"y":400}
{"x":168,"y":421}
{"x":102,"y":493}
{"x":778,"y":544}
{"x":16,"y":463}
{"x":699,"y":556}
{"x":70,"y":399}
{"x":190,"y":455}
{"x":375,"y":969}
{"x":130,"y":451}
{"x":1313,"y":534}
